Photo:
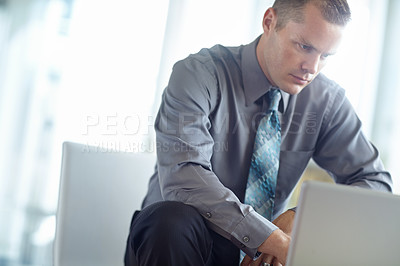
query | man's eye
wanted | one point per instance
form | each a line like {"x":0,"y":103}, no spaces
{"x":305,"y":47}
{"x":324,"y":56}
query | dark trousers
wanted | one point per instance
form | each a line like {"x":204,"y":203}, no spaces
{"x":172,"y":233}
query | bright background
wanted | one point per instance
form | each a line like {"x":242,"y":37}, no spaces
{"x":92,"y":71}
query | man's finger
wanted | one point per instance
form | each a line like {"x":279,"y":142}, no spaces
{"x":275,"y":262}
{"x":246,"y":261}
{"x":268,"y":259}
{"x":264,"y":259}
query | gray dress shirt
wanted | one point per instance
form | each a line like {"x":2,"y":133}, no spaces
{"x":205,"y":132}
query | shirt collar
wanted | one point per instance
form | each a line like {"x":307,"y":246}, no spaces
{"x":255,"y":82}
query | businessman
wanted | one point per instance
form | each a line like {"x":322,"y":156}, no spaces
{"x":235,"y":131}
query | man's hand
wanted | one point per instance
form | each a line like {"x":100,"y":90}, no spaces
{"x":285,"y":221}
{"x":275,"y":248}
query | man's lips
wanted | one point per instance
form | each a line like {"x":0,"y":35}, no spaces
{"x":301,"y":80}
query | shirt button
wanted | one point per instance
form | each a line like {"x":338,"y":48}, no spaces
{"x":208,"y":214}
{"x":246,"y":239}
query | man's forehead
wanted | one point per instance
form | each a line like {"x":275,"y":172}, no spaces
{"x":315,"y":31}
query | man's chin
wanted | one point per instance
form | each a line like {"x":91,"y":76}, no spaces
{"x":293,"y":90}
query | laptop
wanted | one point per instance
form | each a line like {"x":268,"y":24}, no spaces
{"x":344,"y":225}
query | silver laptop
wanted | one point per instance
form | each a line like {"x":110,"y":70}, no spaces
{"x":343,"y":225}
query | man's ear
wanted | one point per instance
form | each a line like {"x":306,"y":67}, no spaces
{"x":269,"y":20}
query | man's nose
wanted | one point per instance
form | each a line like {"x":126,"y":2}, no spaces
{"x":311,"y":64}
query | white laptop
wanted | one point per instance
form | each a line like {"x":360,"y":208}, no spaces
{"x":343,"y":225}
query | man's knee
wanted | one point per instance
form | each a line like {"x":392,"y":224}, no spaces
{"x":167,"y":218}
{"x":169,"y":224}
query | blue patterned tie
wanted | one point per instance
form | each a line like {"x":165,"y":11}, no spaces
{"x":261,"y":183}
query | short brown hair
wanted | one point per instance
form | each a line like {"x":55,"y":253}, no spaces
{"x":334,"y":11}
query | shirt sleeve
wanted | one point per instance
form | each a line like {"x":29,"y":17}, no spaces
{"x":344,"y":151}
{"x":184,"y":151}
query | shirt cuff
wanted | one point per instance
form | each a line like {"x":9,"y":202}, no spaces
{"x":251,"y":232}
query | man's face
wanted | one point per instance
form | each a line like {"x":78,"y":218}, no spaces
{"x":294,"y":55}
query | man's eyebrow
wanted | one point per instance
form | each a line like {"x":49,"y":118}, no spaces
{"x":305,"y":42}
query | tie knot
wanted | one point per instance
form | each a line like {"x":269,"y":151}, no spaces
{"x":274,"y":97}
